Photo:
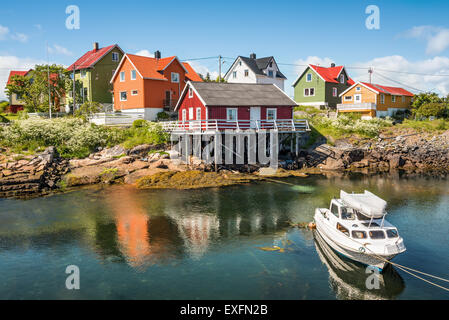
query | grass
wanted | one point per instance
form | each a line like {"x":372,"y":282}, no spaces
{"x":426,"y":125}
{"x":10,"y":116}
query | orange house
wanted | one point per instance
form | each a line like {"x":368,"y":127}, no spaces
{"x":150,"y":85}
{"x":374,"y":100}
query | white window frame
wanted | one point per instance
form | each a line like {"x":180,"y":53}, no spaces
{"x":342,"y":78}
{"x":184,"y":115}
{"x":403,"y":99}
{"x":190,"y":93}
{"x":115,"y":54}
{"x":133,"y":72}
{"x":126,"y":93}
{"x":309,"y":95}
{"x":246,"y":73}
{"x":234,"y":75}
{"x":122,"y":76}
{"x":173,"y":80}
{"x":393,"y":98}
{"x":191,"y":113}
{"x":348,"y":98}
{"x":136,"y":92}
{"x":233,"y":110}
{"x":358,"y":89}
{"x":382,"y":98}
{"x":307,"y":77}
{"x":334,"y":92}
{"x":83,"y":73}
{"x":355,"y":98}
{"x":198,"y":113}
{"x":272,"y":73}
{"x":275,"y":114}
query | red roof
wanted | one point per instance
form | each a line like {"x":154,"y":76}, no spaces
{"x":191,"y":75}
{"x":330,"y":74}
{"x":150,"y":67}
{"x":16,"y":73}
{"x":90,"y":58}
{"x":394,"y":91}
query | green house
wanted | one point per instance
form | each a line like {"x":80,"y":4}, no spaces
{"x":321,"y":87}
{"x":95,"y":70}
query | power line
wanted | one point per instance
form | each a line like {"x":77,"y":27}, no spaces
{"x":403,"y":84}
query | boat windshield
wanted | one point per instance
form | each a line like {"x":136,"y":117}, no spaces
{"x":361,"y":217}
{"x":347,"y":213}
{"x":392,"y":233}
{"x":359,"y":234}
{"x":377,"y":234}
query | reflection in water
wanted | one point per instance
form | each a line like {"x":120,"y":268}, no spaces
{"x":348,"y":278}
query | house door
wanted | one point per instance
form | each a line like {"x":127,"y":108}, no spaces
{"x":254,"y":117}
{"x":357,"y":98}
{"x":168,"y":103}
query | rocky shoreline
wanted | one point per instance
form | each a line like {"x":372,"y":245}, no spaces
{"x":148,"y":166}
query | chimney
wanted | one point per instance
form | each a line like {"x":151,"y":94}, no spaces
{"x":157,"y":54}
{"x":95,"y":46}
{"x":252,"y":56}
{"x":332,"y":65}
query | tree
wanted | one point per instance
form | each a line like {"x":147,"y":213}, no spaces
{"x":87,"y":109}
{"x":3,"y":106}
{"x":432,"y":109}
{"x":423,"y":98}
{"x":34,"y":88}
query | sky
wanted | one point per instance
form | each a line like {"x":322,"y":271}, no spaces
{"x":410,"y":48}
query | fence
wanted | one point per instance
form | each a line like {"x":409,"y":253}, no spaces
{"x":287,"y":125}
{"x":115,"y":119}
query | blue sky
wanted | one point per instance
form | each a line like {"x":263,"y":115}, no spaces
{"x":413,"y":35}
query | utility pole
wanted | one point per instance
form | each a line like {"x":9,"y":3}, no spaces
{"x":219,"y":68}
{"x":370,"y":71}
{"x":73,"y":92}
{"x":49,"y":88}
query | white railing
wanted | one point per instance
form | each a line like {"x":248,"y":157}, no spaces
{"x":115,"y":119}
{"x":287,"y":125}
{"x":356,"y":106}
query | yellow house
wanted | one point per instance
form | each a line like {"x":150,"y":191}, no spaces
{"x":374,"y":100}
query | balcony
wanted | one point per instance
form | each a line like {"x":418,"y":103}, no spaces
{"x":356,"y":107}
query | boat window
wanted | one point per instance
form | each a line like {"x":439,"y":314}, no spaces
{"x":378,"y":234}
{"x":371,"y":224}
{"x":334,"y":209}
{"x":342,"y":229}
{"x":347,"y":214}
{"x":392,"y":233}
{"x":362,"y":217}
{"x":359,"y":234}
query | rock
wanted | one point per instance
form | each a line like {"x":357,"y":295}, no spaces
{"x":334,"y":164}
{"x":396,"y":162}
{"x":141,"y":150}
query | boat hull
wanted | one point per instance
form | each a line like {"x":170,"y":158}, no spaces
{"x":352,"y":254}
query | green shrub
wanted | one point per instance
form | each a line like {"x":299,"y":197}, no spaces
{"x":140,"y":123}
{"x":432,"y":109}
{"x":144,"y":132}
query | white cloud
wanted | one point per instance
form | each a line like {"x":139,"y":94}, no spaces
{"x":19,"y":37}
{"x":3,"y":32}
{"x":410,"y":74}
{"x":203,"y":70}
{"x":8,"y":63}
{"x":38,"y":27}
{"x":57,"y":49}
{"x":145,"y":53}
{"x":437,"y":37}
{"x":303,"y":63}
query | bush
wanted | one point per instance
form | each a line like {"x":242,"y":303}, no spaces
{"x":3,"y":106}
{"x":144,"y":132}
{"x":139,"y":123}
{"x":433,"y":109}
{"x":163,"y":116}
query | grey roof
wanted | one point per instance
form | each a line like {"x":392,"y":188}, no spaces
{"x":258,"y":65}
{"x":241,"y":94}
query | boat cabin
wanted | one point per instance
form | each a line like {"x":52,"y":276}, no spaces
{"x":357,"y":225}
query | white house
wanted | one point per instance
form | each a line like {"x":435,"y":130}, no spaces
{"x":253,"y":70}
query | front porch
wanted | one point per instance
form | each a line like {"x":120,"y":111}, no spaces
{"x":368,"y":110}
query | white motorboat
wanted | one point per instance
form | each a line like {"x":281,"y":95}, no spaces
{"x":355,"y":227}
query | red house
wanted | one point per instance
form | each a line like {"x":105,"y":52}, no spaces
{"x":235,"y":106}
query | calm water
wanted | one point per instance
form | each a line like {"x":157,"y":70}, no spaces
{"x":206,"y":244}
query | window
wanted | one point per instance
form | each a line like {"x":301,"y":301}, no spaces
{"x":392,"y":233}
{"x":231,"y":114}
{"x":133,"y":75}
{"x":334,"y":210}
{"x":342,"y":229}
{"x":312,"y":91}
{"x":190,"y":93}
{"x":83,"y":73}
{"x":240,"y":63}
{"x":271,"y":64}
{"x":393,"y":99}
{"x":358,"y":89}
{"x":174,"y":77}
{"x":403,"y":99}
{"x":246,"y":73}
{"x":270,"y":73}
{"x":347,"y":214}
{"x":359,"y":234}
{"x":234,"y":74}
{"x":122,"y":76}
{"x":184,"y":114}
{"x":342,"y":78}
{"x":190,"y":113}
{"x":309,"y":77}
{"x":361,"y":217}
{"x":382,"y":98}
{"x":115,"y":56}
{"x":134,"y":92}
{"x":309,"y":92}
{"x":198,"y":113}
{"x":271,"y":114}
{"x":378,"y":234}
{"x":123,"y":96}
{"x":358,"y":97}
{"x":84,"y":93}
{"x":334,"y":92}
{"x":348,"y":98}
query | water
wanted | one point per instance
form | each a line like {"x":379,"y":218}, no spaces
{"x":205,"y":244}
